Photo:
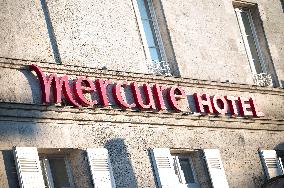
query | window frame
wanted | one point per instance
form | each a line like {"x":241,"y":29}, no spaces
{"x":47,"y":170}
{"x":180,"y":174}
{"x":156,"y":35}
{"x":247,"y":10}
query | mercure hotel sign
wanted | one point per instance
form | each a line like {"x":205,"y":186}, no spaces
{"x":144,"y":96}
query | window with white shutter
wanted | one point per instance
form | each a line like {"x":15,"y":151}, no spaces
{"x":28,"y":167}
{"x":215,"y":168}
{"x":271,"y":163}
{"x":100,"y":167}
{"x":164,"y":169}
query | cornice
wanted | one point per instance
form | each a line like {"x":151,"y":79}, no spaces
{"x":20,"y":112}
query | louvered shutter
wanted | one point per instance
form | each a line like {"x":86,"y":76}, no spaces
{"x":28,"y":167}
{"x":271,"y":163}
{"x":164,"y":169}
{"x":215,"y":168}
{"x":100,"y":167}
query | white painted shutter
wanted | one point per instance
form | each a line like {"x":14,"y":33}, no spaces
{"x":271,"y":163}
{"x":100,"y":167}
{"x":215,"y":168}
{"x":164,"y":169}
{"x":28,"y":167}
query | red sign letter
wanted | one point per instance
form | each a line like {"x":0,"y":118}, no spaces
{"x":59,"y":84}
{"x":102,"y":90}
{"x":158,"y":94}
{"x":79,"y":90}
{"x":233,"y":104}
{"x":255,"y":111}
{"x":121,"y":100}
{"x":245,"y":107}
{"x":176,"y":93}
{"x":202,"y":101}
{"x":224,"y":104}
{"x":138,"y":98}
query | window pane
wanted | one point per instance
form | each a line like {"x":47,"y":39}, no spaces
{"x":149,"y":32}
{"x":155,"y":55}
{"x":143,"y":9}
{"x":251,"y":42}
{"x":256,"y":60}
{"x":59,"y":172}
{"x":187,"y":171}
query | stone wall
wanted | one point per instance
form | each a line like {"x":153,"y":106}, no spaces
{"x":101,"y":39}
{"x":130,"y":134}
{"x":129,"y":142}
{"x":202,"y":38}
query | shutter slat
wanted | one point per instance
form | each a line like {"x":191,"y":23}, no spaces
{"x":100,"y":167}
{"x":28,"y":167}
{"x":271,"y":163}
{"x":215,"y":168}
{"x":164,"y":169}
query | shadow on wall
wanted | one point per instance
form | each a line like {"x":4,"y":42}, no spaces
{"x":50,"y":30}
{"x":18,"y":133}
{"x":264,"y":44}
{"x":10,"y":168}
{"x":33,"y":84}
{"x":167,"y":39}
{"x":18,"y":128}
{"x":121,"y":164}
{"x":12,"y":132}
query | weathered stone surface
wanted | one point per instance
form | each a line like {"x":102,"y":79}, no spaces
{"x":101,"y":39}
{"x":129,"y":146}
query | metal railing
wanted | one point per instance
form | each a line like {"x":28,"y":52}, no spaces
{"x":263,"y":79}
{"x":159,"y":67}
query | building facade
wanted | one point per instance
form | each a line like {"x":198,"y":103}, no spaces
{"x":141,"y":93}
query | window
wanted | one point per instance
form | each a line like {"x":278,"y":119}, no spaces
{"x":56,"y":172}
{"x":151,"y":36}
{"x":177,"y":169}
{"x":150,"y":28}
{"x":271,"y":163}
{"x":255,"y":43}
{"x":184,"y":170}
{"x":52,"y":168}
{"x":250,"y":40}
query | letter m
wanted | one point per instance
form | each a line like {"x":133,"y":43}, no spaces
{"x":57,"y":84}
